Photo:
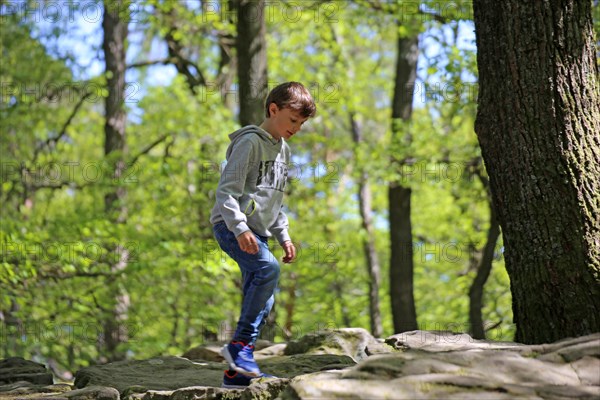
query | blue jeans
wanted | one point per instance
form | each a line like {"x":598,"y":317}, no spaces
{"x":260,"y":273}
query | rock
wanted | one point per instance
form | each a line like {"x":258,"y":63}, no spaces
{"x":271,"y":351}
{"x":588,"y":370}
{"x":24,"y":387}
{"x":260,"y":389}
{"x":292,"y":366}
{"x":209,"y":352}
{"x":419,"y":364}
{"x":60,"y":392}
{"x":212,"y":351}
{"x":444,"y":341}
{"x":379,"y":347}
{"x":262,"y":344}
{"x":351,"y":342}
{"x":15,"y":369}
{"x":571,"y":350}
{"x":163,"y":373}
{"x":93,"y":393}
{"x":442,"y":366}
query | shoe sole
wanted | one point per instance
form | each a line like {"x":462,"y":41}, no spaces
{"x":225,"y":353}
{"x":224,"y":386}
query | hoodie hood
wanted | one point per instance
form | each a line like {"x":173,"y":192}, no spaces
{"x":252,"y":129}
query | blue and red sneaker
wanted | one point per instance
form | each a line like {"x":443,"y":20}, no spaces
{"x":240,"y":357}
{"x":235,"y":380}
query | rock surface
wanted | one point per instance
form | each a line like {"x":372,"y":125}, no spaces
{"x":15,"y":369}
{"x":413,"y":365}
{"x":172,"y":373}
{"x":356,"y":343}
{"x":205,"y":352}
{"x":441,"y":365}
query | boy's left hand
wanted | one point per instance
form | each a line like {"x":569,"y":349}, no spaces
{"x":290,"y":251}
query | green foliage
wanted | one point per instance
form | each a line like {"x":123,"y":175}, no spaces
{"x":57,"y":272}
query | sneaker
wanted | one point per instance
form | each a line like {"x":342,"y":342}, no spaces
{"x":241,"y":358}
{"x":235,"y":380}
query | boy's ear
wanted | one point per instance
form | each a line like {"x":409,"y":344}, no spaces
{"x":273,"y":109}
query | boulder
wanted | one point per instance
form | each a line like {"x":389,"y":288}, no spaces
{"x":445,"y":341}
{"x":419,"y":364}
{"x":260,"y":389}
{"x":207,"y":352}
{"x":212,"y":351}
{"x":15,"y":369}
{"x":27,"y":388}
{"x":352,"y":342}
{"x":271,"y":351}
{"x":300,"y":364}
{"x":92,"y":393}
{"x":438,"y":365}
{"x":162,"y":373}
{"x":165,"y":375}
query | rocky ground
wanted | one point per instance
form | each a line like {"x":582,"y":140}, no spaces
{"x":339,"y":364}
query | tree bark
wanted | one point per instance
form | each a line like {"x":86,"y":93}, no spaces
{"x":401,"y":263}
{"x":252,"y":60}
{"x":538,"y":125}
{"x":114,"y":46}
{"x":373,"y":267}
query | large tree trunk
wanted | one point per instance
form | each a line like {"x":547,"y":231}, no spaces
{"x":114,"y":46}
{"x":401,"y":263}
{"x":373,"y":267}
{"x":538,"y":124}
{"x":252,"y":60}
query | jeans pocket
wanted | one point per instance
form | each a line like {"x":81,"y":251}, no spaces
{"x":222,"y":235}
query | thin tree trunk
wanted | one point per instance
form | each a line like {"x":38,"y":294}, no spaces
{"x":373,"y":267}
{"x":290,"y":306}
{"x":401,"y":241}
{"x":228,"y":60}
{"x":252,"y":76}
{"x":114,"y":46}
{"x":252,"y":60}
{"x":538,"y":125}
{"x":483,"y":273}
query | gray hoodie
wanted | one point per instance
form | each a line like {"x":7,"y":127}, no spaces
{"x":250,"y":191}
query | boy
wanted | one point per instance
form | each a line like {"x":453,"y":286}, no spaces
{"x":248,"y":211}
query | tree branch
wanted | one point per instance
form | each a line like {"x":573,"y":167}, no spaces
{"x":149,"y":148}
{"x":50,"y":141}
{"x":149,"y":63}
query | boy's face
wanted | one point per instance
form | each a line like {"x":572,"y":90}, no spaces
{"x":285,"y":122}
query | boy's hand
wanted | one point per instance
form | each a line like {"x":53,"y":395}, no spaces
{"x":248,"y":243}
{"x":290,"y":251}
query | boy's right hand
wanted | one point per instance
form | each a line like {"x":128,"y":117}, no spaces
{"x":248,"y":243}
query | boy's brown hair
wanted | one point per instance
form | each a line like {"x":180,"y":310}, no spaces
{"x":294,"y":96}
